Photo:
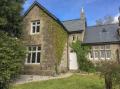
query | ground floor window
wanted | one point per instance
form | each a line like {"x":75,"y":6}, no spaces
{"x":33,"y":55}
{"x":100,"y":52}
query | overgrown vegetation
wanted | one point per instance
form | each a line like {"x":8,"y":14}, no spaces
{"x":12,"y":55}
{"x":82,"y":51}
{"x":110,"y":71}
{"x":10,"y":16}
{"x":12,"y":51}
{"x":59,"y":40}
{"x":57,"y":36}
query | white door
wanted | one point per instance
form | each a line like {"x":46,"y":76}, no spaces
{"x":73,"y":65}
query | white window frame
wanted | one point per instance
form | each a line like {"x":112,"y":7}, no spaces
{"x":106,"y":54}
{"x":106,"y":49}
{"x":35,"y":51}
{"x":36,"y":24}
{"x":94,"y":53}
{"x":99,"y":49}
{"x":101,"y":54}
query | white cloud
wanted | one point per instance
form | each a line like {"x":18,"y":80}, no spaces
{"x":116,"y":18}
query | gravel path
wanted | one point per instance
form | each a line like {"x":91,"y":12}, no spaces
{"x":32,"y":78}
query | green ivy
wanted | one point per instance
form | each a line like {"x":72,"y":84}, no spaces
{"x":12,"y":55}
{"x":58,"y":35}
{"x":83,"y":62}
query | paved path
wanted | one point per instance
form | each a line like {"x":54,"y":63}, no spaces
{"x":32,"y":78}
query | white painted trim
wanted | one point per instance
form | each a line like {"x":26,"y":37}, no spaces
{"x":35,"y":51}
{"x":35,"y":28}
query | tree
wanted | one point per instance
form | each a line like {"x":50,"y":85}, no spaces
{"x":12,"y":55}
{"x":82,"y":52}
{"x":110,"y":70}
{"x":10,"y":16}
{"x":105,"y":20}
{"x":12,"y":51}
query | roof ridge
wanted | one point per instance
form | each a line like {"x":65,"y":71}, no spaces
{"x":70,"y":20}
{"x":102,"y":25}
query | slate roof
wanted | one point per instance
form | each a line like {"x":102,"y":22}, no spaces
{"x":93,"y":34}
{"x":102,"y":34}
{"x":73,"y":25}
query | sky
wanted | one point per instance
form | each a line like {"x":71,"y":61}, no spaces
{"x":70,"y":9}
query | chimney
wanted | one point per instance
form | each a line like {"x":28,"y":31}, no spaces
{"x":82,"y":14}
{"x":119,"y":23}
{"x":119,"y":17}
{"x":83,"y":18}
{"x":83,"y":22}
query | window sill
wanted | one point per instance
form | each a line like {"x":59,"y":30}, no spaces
{"x":99,"y":58}
{"x":32,"y":63}
{"x":35,"y":33}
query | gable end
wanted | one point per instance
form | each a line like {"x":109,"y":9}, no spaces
{"x":47,"y":12}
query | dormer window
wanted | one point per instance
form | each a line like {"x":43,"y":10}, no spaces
{"x":35,"y":27}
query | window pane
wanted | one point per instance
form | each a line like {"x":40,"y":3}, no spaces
{"x":102,"y":52}
{"x":33,"y":23}
{"x":29,"y":48}
{"x":39,"y":48}
{"x":29,"y":57}
{"x":108,"y":54}
{"x":38,"y":22}
{"x":33,"y":29}
{"x":33,"y":57}
{"x":34,"y":48}
{"x":38,"y":57}
{"x":38,"y":29}
{"x":96,"y":54}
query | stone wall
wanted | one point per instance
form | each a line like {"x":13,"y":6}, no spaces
{"x":114,"y":48}
{"x":48,"y":56}
{"x":63,"y":67}
{"x":78,"y":36}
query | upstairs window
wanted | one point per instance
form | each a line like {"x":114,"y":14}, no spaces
{"x":33,"y":55}
{"x":35,"y":27}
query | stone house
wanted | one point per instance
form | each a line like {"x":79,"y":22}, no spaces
{"x":48,"y":41}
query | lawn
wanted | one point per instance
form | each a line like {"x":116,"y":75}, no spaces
{"x":74,"y":82}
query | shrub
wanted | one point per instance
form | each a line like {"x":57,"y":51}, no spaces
{"x":12,"y":55}
{"x":110,"y":70}
{"x":82,"y":52}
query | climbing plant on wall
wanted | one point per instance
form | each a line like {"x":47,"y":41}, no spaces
{"x":82,"y":51}
{"x":60,"y":38}
{"x":57,"y":36}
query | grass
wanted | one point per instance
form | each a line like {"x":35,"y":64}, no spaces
{"x":74,"y":82}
